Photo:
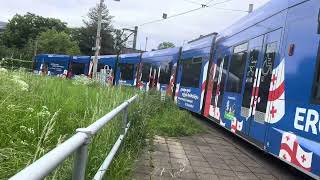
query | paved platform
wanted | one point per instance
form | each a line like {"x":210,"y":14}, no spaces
{"x":207,"y":156}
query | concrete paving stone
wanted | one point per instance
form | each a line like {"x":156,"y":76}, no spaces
{"x":246,"y":176}
{"x":224,"y":172}
{"x":161,"y":147}
{"x":239,"y":168}
{"x":159,"y":142}
{"x":177,"y":151}
{"x":193,"y":153}
{"x":184,"y":161}
{"x":175,"y":146}
{"x":233,"y":162}
{"x":196,"y":158}
{"x":160,"y":178}
{"x":227,"y":157}
{"x":161,"y":165}
{"x":202,"y":147}
{"x":141,"y":176}
{"x":227,"y":178}
{"x":265,"y":176}
{"x":199,"y":163}
{"x":189,"y":148}
{"x":209,"y":155}
{"x":178,"y":155}
{"x":259,"y":170}
{"x":205,"y":170}
{"x":219,"y":166}
{"x":202,"y":176}
{"x":163,"y":172}
{"x":213,"y":160}
{"x":185,"y":175}
{"x":182,"y":169}
{"x":145,"y":162}
{"x":174,"y":143}
{"x":161,"y":160}
{"x":143,"y":169}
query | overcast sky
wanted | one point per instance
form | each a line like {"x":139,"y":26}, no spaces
{"x":128,"y":13}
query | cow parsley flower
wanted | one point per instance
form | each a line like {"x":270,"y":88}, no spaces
{"x":11,"y":107}
{"x":30,"y":110}
{"x":44,"y":112}
{"x":3,"y":70}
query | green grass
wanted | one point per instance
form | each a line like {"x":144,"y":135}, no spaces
{"x":38,"y":113}
{"x":173,"y":122}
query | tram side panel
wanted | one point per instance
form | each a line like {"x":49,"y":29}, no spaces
{"x":277,"y":106}
{"x":128,"y":69}
{"x":158,"y":70}
{"x":294,"y":132}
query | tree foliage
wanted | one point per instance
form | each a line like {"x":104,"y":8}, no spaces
{"x":22,"y":29}
{"x":86,"y":36}
{"x":56,"y":42}
{"x":166,"y":45}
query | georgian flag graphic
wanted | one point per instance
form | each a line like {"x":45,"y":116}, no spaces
{"x":177,"y":93}
{"x":204,"y":80}
{"x":171,"y":84}
{"x":214,"y":110}
{"x":236,"y":125}
{"x":291,"y":151}
{"x":276,"y":98}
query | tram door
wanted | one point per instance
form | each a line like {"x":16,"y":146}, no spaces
{"x":263,"y":52}
{"x":154,"y":76}
{"x":218,"y":84}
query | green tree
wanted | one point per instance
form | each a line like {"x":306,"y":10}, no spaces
{"x":23,"y":28}
{"x":55,"y":42}
{"x":166,"y":45}
{"x":86,"y":35}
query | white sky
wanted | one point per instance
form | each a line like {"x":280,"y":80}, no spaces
{"x":128,"y":13}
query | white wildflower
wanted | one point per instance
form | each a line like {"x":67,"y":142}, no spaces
{"x":11,"y":107}
{"x":31,"y":130}
{"x":30,"y":110}
{"x":3,"y":70}
{"x":24,"y":143}
{"x":82,"y":80}
{"x":44,"y":112}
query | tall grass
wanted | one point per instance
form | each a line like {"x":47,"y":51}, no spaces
{"x":38,"y":113}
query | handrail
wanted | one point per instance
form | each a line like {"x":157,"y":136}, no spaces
{"x":77,"y":143}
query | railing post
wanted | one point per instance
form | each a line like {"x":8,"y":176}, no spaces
{"x":125,"y":119}
{"x":81,"y":158}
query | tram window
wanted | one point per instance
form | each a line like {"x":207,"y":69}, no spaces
{"x":191,"y":72}
{"x":145,"y":72}
{"x":77,"y":68}
{"x":223,"y":78}
{"x":316,"y":90}
{"x":165,"y":73}
{"x":126,"y":71}
{"x":265,"y":79}
{"x":100,"y":66}
{"x":249,"y":80}
{"x":237,"y":68}
{"x":216,"y":78}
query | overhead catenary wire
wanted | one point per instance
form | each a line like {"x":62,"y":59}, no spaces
{"x":192,"y":10}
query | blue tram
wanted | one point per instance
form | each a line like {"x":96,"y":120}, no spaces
{"x":158,"y":70}
{"x":52,"y":64}
{"x":79,"y":65}
{"x":127,"y":69}
{"x":263,"y":83}
{"x":107,"y":65}
{"x":192,"y":73}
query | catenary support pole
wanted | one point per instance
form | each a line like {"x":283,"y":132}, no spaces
{"x":98,"y":41}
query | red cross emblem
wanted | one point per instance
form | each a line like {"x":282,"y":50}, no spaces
{"x":303,"y":157}
{"x":273,"y":111}
{"x":274,"y":79}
